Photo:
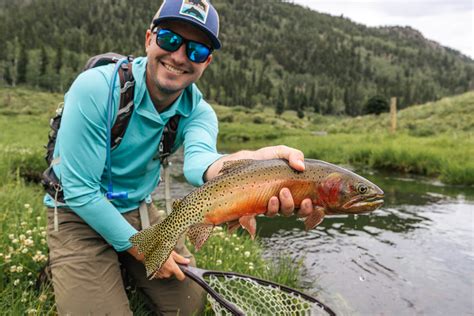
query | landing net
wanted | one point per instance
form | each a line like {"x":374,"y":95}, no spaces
{"x":254,"y":298}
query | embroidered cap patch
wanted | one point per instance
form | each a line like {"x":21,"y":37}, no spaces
{"x":197,"y":9}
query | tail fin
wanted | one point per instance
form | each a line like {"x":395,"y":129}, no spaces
{"x":156,"y":244}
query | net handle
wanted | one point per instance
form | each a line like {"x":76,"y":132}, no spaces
{"x":197,"y":275}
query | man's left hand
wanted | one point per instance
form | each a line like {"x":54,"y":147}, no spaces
{"x":283,"y":203}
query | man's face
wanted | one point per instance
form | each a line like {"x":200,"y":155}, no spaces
{"x":170,"y":72}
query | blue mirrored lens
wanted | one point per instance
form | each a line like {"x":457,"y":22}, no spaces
{"x":197,"y":52}
{"x":168,"y":40}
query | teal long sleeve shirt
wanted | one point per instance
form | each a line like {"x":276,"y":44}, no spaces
{"x":81,"y":148}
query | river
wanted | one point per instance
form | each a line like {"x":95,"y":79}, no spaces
{"x":414,"y":256}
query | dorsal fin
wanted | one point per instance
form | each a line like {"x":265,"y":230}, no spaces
{"x":233,"y":164}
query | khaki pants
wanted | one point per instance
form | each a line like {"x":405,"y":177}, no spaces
{"x":87,"y":277}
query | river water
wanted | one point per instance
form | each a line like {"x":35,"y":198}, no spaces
{"x":414,"y":256}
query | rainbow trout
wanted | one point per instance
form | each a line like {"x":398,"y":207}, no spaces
{"x":242,"y":190}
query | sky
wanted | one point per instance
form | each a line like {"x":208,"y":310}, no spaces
{"x":448,"y":22}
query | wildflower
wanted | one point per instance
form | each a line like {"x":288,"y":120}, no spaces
{"x":23,"y":223}
{"x":23,"y":299}
{"x":43,"y":233}
{"x":11,"y":236}
{"x":29,"y":232}
{"x":7,"y":258}
{"x":218,"y":228}
{"x":19,"y":269}
{"x":42,"y":297}
{"x":218,"y":262}
{"x":38,"y":218}
{"x":250,"y":267}
{"x":31,"y":282}
{"x":43,"y":241}
{"x":29,"y":242}
{"x":236,"y":248}
{"x":16,"y":282}
{"x":226,"y":239}
{"x":15,"y":241}
{"x":27,"y":205}
{"x":221,"y":249}
{"x":31,"y":311}
{"x":30,"y":274}
{"x":13,"y":269}
{"x":247,"y":254}
{"x":24,"y":250}
{"x":1,"y":254}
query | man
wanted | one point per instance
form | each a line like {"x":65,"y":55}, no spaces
{"x":92,"y":239}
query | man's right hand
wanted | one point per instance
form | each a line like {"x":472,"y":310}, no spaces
{"x":170,"y":267}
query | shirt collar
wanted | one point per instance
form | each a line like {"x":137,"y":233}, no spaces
{"x":183,"y":105}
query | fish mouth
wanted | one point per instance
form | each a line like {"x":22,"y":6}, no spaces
{"x":362,"y":204}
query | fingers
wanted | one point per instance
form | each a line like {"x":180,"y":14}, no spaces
{"x":170,"y":267}
{"x":273,"y":207}
{"x":306,"y":208}
{"x":287,"y":206}
{"x":296,"y":160}
{"x":179,"y":259}
{"x":295,"y":157}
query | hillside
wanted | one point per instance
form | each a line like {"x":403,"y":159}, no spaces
{"x":448,"y":115}
{"x":274,"y":53}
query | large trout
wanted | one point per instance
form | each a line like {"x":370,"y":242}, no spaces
{"x":242,"y":191}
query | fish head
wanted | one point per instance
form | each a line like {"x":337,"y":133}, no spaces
{"x":344,"y":192}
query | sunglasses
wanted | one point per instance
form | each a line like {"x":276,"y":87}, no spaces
{"x":171,"y":42}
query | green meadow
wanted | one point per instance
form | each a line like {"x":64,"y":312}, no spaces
{"x":434,"y":140}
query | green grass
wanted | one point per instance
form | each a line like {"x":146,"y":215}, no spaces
{"x":435,"y":140}
{"x":24,"y":117}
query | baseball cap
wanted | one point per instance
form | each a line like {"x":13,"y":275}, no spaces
{"x":199,"y":13}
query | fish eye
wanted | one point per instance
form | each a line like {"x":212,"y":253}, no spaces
{"x":362,"y":188}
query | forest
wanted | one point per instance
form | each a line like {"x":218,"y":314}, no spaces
{"x":274,"y":53}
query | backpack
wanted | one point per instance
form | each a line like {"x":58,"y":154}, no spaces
{"x":49,"y":179}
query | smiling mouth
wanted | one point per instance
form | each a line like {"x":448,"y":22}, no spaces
{"x":172,"y":69}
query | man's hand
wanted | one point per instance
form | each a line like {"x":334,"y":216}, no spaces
{"x":170,"y":267}
{"x":283,"y":203}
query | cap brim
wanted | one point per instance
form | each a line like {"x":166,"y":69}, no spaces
{"x":216,"y":44}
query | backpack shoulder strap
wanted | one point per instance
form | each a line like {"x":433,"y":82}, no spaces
{"x":168,"y":138}
{"x":127,"y":91}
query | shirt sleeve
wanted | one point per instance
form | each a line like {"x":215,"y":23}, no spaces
{"x":82,"y":151}
{"x":200,"y":141}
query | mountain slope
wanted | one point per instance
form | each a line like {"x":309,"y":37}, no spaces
{"x":274,"y":53}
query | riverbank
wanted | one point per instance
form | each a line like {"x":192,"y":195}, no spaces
{"x":435,"y":140}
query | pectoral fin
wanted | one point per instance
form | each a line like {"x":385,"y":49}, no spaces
{"x":199,"y":233}
{"x":315,"y":218}
{"x":232,"y":226}
{"x":250,"y":224}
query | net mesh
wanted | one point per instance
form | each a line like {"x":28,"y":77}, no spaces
{"x":253,"y":298}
